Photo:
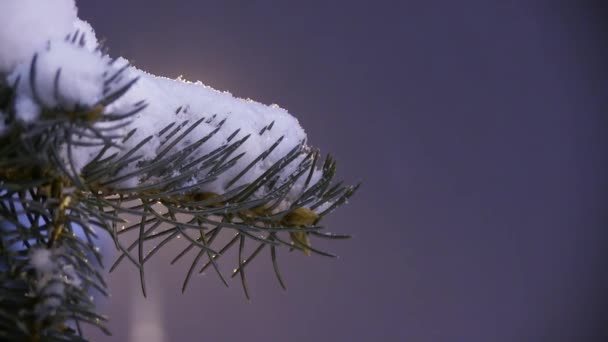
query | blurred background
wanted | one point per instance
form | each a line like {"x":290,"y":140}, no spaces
{"x":478,"y":129}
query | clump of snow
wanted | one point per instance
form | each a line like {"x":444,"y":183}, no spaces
{"x":83,"y":82}
{"x":3,"y":123}
{"x":40,"y":258}
{"x":27,"y":25}
{"x":85,"y":30}
{"x":27,"y":110}
{"x":66,"y":76}
{"x":71,"y":276}
{"x":41,"y":27}
{"x":53,"y":275}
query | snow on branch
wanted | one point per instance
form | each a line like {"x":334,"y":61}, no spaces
{"x":89,"y":141}
{"x":66,"y":70}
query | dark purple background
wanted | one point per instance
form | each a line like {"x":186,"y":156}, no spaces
{"x":478,"y":128}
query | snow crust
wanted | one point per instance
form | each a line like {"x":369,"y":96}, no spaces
{"x":40,"y":27}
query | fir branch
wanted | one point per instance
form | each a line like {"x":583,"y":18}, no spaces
{"x":53,"y":208}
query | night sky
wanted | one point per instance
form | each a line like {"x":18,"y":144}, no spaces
{"x":478,"y":129}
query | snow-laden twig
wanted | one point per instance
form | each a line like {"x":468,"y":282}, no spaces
{"x":89,"y":141}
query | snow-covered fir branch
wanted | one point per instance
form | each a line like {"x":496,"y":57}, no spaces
{"x":89,"y":142}
{"x":70,"y":72}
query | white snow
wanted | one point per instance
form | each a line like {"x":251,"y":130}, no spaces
{"x":165,"y":96}
{"x":53,"y":275}
{"x":81,"y":82}
{"x":28,"y":24}
{"x":40,"y":258}
{"x":27,"y":110}
{"x":70,"y":276}
{"x":79,"y":76}
{"x":47,"y":271}
{"x":3,"y":124}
